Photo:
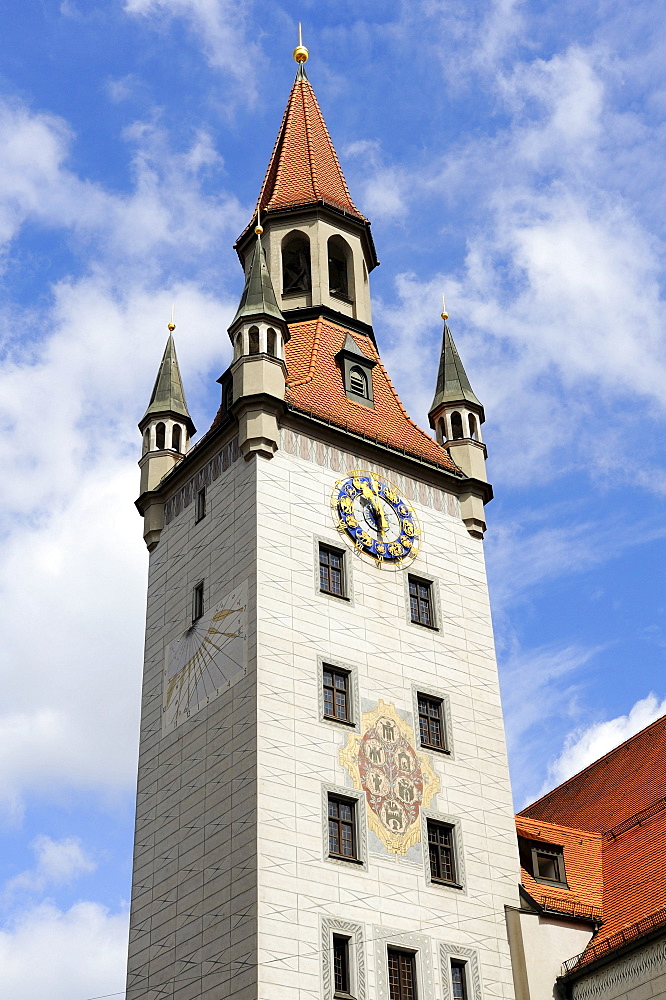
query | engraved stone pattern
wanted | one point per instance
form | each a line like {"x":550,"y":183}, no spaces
{"x":636,"y":976}
{"x":329,"y":927}
{"x":298,"y":753}
{"x":468,"y":955}
{"x":194,"y":901}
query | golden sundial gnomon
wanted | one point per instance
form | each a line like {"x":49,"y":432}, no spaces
{"x":206,"y":660}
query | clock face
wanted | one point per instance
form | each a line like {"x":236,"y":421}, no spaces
{"x":376,"y":517}
{"x":206,"y":660}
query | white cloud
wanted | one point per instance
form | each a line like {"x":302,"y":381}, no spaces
{"x":57,"y":862}
{"x":59,"y":954}
{"x":585,"y":745}
{"x":220,"y":25}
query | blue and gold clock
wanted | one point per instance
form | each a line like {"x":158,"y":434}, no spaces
{"x":376,"y":517}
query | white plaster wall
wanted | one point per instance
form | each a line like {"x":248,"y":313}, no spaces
{"x":547,"y":944}
{"x":297,"y":752}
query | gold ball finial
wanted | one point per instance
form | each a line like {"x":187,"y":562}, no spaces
{"x":300,"y":53}
{"x":171,"y":326}
{"x":258,"y":230}
{"x":444,"y":313}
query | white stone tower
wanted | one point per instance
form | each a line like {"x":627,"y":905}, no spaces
{"x":323,"y":803}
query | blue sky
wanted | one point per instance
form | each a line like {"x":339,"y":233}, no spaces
{"x":510,"y":153}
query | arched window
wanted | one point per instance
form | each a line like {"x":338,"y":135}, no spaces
{"x":271,"y":341}
{"x":472,"y":427}
{"x":296,"y":265}
{"x":253,"y":336}
{"x":441,"y":430}
{"x":160,"y":436}
{"x":146,"y":440}
{"x":175,"y":437}
{"x":456,"y":426}
{"x":358,"y":382}
{"x":338,"y":275}
{"x":238,"y":346}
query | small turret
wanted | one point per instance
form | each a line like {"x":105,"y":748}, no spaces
{"x":167,"y":428}
{"x":456,"y":416}
{"x":258,"y":334}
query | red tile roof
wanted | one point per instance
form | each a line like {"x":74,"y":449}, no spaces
{"x":582,"y":864}
{"x":618,"y":805}
{"x":615,"y":787}
{"x":314,"y":386}
{"x":304,"y":167}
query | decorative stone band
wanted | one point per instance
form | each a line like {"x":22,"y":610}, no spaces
{"x":623,"y":974}
{"x":340,"y":461}
{"x":227,"y":455}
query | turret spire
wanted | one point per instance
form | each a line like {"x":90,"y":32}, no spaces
{"x":258,"y":297}
{"x":168,"y":396}
{"x":453,"y":384}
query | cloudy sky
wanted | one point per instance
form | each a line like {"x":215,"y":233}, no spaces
{"x":508,"y":152}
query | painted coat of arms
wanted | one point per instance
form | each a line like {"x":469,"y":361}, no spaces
{"x":396,"y":779}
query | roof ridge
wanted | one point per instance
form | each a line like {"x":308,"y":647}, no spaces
{"x":558,"y":826}
{"x":308,"y":141}
{"x":589,"y":767}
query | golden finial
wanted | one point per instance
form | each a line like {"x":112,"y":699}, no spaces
{"x":171,"y":326}
{"x":445,"y":315}
{"x":301,"y":54}
{"x":258,"y":228}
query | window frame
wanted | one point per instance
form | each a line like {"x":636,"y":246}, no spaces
{"x":410,"y":956}
{"x":345,"y":941}
{"x":419,"y":581}
{"x":351,"y":795}
{"x":343,"y":823}
{"x":198,"y":601}
{"x":200,"y":510}
{"x":330,"y":928}
{"x":444,"y":819}
{"x":340,"y":553}
{"x":467,"y":957}
{"x":551,"y":851}
{"x":351,"y":670}
{"x":347,"y":570}
{"x":337,"y":671}
{"x":432,"y":824}
{"x":422,"y":690}
{"x":438,"y":702}
{"x":458,"y":963}
{"x":435,"y":612}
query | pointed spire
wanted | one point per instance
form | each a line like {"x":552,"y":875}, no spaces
{"x":168,"y":396}
{"x":453,"y":386}
{"x":258,"y":298}
{"x":304,"y":168}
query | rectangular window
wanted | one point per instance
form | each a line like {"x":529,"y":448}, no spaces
{"x":341,"y":983}
{"x":342,"y":828}
{"x":331,"y":580}
{"x":197,"y":601}
{"x":431,"y":726}
{"x":420,"y":601}
{"x":441,"y":850}
{"x":201,"y":504}
{"x":401,"y":975}
{"x":549,"y":866}
{"x":336,"y":694}
{"x":458,"y":980}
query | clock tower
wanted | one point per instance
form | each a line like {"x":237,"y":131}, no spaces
{"x":323,"y":805}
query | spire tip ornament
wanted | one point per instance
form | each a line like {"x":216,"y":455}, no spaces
{"x":300,"y":53}
{"x":171,"y":326}
{"x":445,"y":314}
{"x":258,"y":228}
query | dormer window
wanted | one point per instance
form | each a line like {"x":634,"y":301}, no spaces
{"x":544,"y":862}
{"x":296,"y":265}
{"x":358,"y":382}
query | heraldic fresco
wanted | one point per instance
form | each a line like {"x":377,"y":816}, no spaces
{"x":397,"y":780}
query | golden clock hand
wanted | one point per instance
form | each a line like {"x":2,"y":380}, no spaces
{"x":371,"y":496}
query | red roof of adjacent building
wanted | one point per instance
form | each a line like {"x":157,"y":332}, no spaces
{"x":610,"y":820}
{"x":304,"y":167}
{"x":315,"y":386}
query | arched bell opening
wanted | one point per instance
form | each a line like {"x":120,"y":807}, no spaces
{"x":271,"y":342}
{"x":296,"y":269}
{"x":473,"y":427}
{"x":253,"y":340}
{"x":160,"y":436}
{"x":457,"y":432}
{"x":176,"y":438}
{"x":146,"y":441}
{"x":339,"y":268}
{"x":441,"y":430}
